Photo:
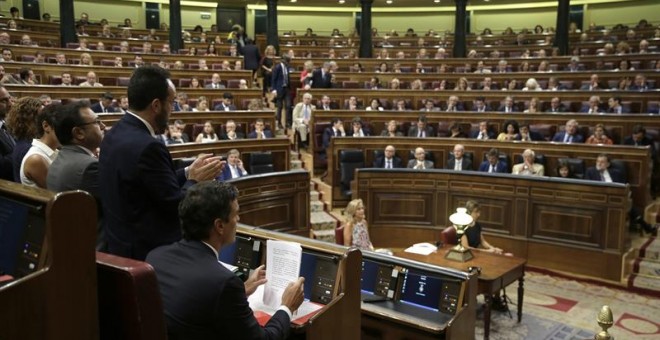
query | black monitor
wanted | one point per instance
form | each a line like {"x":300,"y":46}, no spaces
{"x":22,"y":234}
{"x":244,"y":253}
{"x":320,"y":273}
{"x":420,"y":290}
{"x":376,"y":278}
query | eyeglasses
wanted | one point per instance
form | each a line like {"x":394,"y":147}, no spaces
{"x":97,"y":122}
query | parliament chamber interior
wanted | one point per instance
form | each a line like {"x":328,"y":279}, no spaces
{"x":503,"y":152}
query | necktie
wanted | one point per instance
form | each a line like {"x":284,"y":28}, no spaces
{"x":306,"y":112}
{"x":285,"y":73}
{"x":389,"y":164}
{"x":260,"y":135}
{"x":602,"y":176}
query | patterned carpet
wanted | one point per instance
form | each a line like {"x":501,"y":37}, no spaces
{"x":558,"y":308}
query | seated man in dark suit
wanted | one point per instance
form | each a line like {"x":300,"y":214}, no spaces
{"x":638,"y":137}
{"x":140,"y":188}
{"x":484,"y":132}
{"x":260,"y":131}
{"x":326,"y":104}
{"x":458,"y":162}
{"x":556,"y":106}
{"x":336,"y":130}
{"x":640,"y":84}
{"x":493,"y":164}
{"x":7,"y":142}
{"x":603,"y":172}
{"x":201,"y":298}
{"x":321,"y":77}
{"x":226,"y":104}
{"x":234,"y":167}
{"x":593,"y":84}
{"x":480,"y":104}
{"x":182,"y":127}
{"x":569,"y":135}
{"x":175,"y":136}
{"x":105,"y":104}
{"x":527,"y":135}
{"x":508,"y":105}
{"x":593,"y":106}
{"x":230,"y":132}
{"x":615,"y":106}
{"x":358,"y":129}
{"x":389,"y":160}
{"x":454,"y":104}
{"x":421,"y":129}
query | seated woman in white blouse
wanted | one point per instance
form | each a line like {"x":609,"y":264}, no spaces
{"x":208,"y":134}
{"x":35,"y":164}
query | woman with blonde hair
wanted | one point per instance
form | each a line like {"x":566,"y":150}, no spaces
{"x":599,"y":136}
{"x":86,"y":59}
{"x":202,"y":105}
{"x":356,"y":232}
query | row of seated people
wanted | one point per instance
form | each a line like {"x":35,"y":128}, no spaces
{"x":594,"y":105}
{"x":571,"y":132}
{"x":553,"y":83}
{"x":179,"y":132}
{"x":86,"y":59}
{"x":503,"y":66}
{"x":26,"y":76}
{"x":526,"y":163}
{"x":642,"y":29}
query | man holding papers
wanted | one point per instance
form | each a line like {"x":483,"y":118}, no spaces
{"x":203,"y":299}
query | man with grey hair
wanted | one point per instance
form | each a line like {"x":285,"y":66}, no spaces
{"x":458,"y":162}
{"x":528,"y":167}
{"x":302,"y":113}
{"x":570,"y":133}
{"x":420,"y":162}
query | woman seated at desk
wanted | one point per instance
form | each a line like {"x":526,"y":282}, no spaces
{"x":355,"y":229}
{"x":474,"y":238}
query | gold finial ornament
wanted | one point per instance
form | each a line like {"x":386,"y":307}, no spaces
{"x":605,"y":320}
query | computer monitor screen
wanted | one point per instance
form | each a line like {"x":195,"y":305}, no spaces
{"x":375,"y":278}
{"x":421,"y":290}
{"x":244,"y":253}
{"x":22,"y":233}
{"x":320,"y":273}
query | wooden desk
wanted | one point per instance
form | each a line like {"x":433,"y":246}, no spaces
{"x":497,"y":272}
{"x":550,"y":222}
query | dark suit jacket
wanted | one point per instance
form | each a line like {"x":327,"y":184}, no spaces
{"x":499,"y":167}
{"x":396,"y":162}
{"x":594,"y":175}
{"x":204,"y":300}
{"x":221,"y":107}
{"x":140,"y":190}
{"x":644,"y":142}
{"x":414,"y":132}
{"x":559,"y":137}
{"x":328,"y":133}
{"x":333,"y":106}
{"x":514,"y":108}
{"x":466,"y":166}
{"x":277,"y":81}
{"x":253,"y":134}
{"x":239,"y":135}
{"x":491,"y":134}
{"x":20,"y":149}
{"x":225,"y":175}
{"x":561,"y":108}
{"x":321,"y":81}
{"x":98,"y":109}
{"x":251,"y":57}
{"x":427,"y":164}
{"x":623,"y":110}
{"x":6,"y":150}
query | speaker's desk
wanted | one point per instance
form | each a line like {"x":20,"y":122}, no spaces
{"x":497,"y":272}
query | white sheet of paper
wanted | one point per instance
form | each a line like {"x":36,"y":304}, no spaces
{"x":282,"y":267}
{"x":421,"y":248}
{"x":256,"y":304}
{"x":231,"y":268}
